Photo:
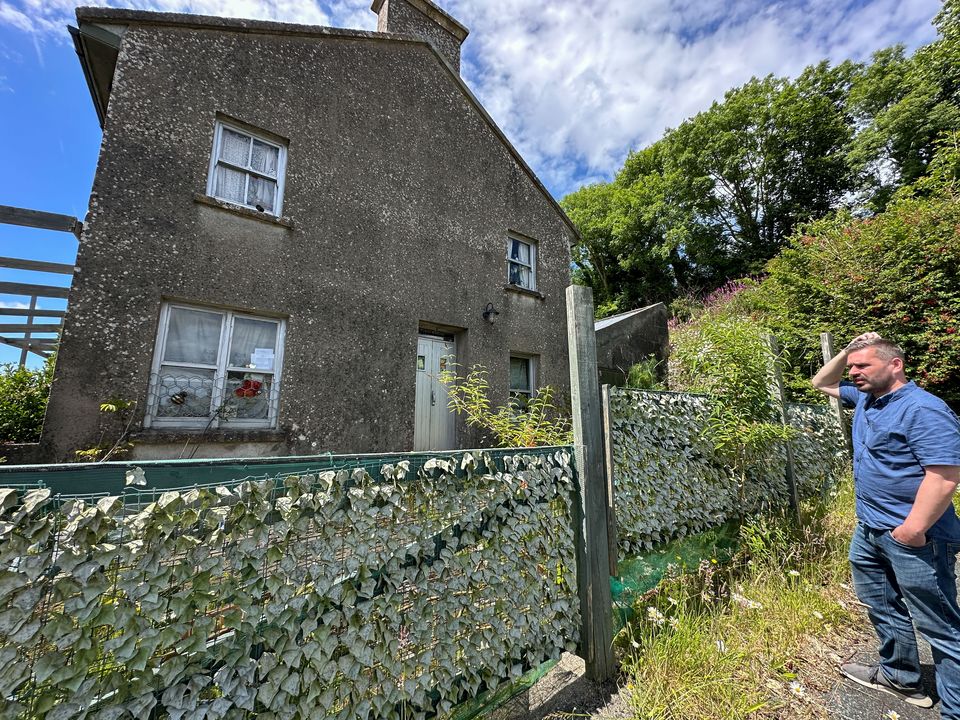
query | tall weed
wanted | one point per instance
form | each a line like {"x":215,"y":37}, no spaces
{"x":727,"y":641}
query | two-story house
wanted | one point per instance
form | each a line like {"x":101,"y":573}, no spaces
{"x":291,"y":229}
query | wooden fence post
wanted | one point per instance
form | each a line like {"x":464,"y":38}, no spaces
{"x":612,"y":550}
{"x":826,"y":345}
{"x":781,"y":396}
{"x":591,"y":537}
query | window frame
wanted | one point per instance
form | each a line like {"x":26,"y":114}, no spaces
{"x":531,"y":361}
{"x":215,"y":162}
{"x":532,"y":245}
{"x":220,"y":372}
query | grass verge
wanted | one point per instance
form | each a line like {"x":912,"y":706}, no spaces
{"x":759,"y":637}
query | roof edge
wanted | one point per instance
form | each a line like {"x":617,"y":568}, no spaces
{"x":188,"y":20}
{"x":503,"y":138}
{"x":435,"y":13}
{"x":146,"y":17}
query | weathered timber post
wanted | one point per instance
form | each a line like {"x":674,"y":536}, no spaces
{"x":612,"y":551}
{"x":590,"y":518}
{"x":826,"y":345}
{"x":781,"y":396}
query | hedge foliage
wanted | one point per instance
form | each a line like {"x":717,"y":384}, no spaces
{"x":23,"y":401}
{"x":380,"y":591}
{"x":896,"y":273}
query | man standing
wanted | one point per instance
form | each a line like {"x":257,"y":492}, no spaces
{"x":906,"y":466}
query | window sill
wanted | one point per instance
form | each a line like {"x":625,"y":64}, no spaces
{"x":242,"y":211}
{"x":524,"y":291}
{"x":152,"y":436}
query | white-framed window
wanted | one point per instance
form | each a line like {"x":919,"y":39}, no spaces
{"x":246,"y":169}
{"x":523,"y":382}
{"x":215,"y":368}
{"x":522,"y":263}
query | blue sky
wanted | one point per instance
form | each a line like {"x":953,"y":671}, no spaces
{"x":575,"y":84}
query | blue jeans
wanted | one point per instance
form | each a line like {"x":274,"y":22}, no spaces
{"x":899,"y":583}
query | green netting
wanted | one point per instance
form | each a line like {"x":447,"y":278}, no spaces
{"x":638,"y":574}
{"x":93,"y":479}
{"x":488,"y":702}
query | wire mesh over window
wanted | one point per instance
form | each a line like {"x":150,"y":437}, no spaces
{"x":215,"y":367}
{"x":206,"y":396}
{"x":184,"y":393}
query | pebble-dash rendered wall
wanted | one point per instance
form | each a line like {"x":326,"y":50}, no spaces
{"x":669,"y":482}
{"x":378,"y":591}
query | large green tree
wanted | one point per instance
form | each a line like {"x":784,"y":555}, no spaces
{"x":896,"y":273}
{"x":903,"y":105}
{"x":718,"y":196}
{"x":767,"y":157}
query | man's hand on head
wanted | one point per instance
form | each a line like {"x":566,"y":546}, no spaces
{"x":862,"y":338}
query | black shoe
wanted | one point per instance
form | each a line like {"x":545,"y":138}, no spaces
{"x":872,"y":676}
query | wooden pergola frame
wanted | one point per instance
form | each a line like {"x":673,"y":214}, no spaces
{"x":24,"y":335}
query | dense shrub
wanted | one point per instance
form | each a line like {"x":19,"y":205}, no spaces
{"x":23,"y":401}
{"x":897,"y":273}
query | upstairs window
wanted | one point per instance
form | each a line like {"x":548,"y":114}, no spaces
{"x":215,"y":368}
{"x":522,"y":382}
{"x":522,"y":263}
{"x":246,"y":169}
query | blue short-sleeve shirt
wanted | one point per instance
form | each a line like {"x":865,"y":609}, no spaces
{"x":894,"y":438}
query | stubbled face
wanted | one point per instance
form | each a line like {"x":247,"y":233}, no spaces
{"x":872,"y":374}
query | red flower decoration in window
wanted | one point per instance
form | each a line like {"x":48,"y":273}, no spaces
{"x":248,"y":389}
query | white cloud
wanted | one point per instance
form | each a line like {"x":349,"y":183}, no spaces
{"x":14,"y":305}
{"x":576,"y":84}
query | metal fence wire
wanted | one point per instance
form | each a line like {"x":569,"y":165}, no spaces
{"x":360,"y":589}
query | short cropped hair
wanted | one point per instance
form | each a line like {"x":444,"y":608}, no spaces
{"x":885,"y":349}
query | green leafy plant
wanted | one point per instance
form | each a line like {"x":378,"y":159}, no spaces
{"x":728,"y":356}
{"x":643,"y":375}
{"x":116,"y":417}
{"x":896,"y":273}
{"x":538,"y":422}
{"x":23,"y":401}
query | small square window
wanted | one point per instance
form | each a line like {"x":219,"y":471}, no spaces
{"x":246,"y":170}
{"x":522,"y":380}
{"x":215,"y":368}
{"x":522,"y":263}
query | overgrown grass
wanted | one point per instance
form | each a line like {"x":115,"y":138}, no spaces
{"x":751,"y":639}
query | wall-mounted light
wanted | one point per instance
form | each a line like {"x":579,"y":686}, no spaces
{"x":490,"y":313}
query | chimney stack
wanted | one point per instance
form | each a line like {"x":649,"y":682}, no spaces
{"x":424,"y":20}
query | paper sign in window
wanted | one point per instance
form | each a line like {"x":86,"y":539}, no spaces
{"x":262,"y":358}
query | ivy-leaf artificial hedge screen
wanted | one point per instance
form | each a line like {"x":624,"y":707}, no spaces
{"x":670,"y":482}
{"x":338,"y":594}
